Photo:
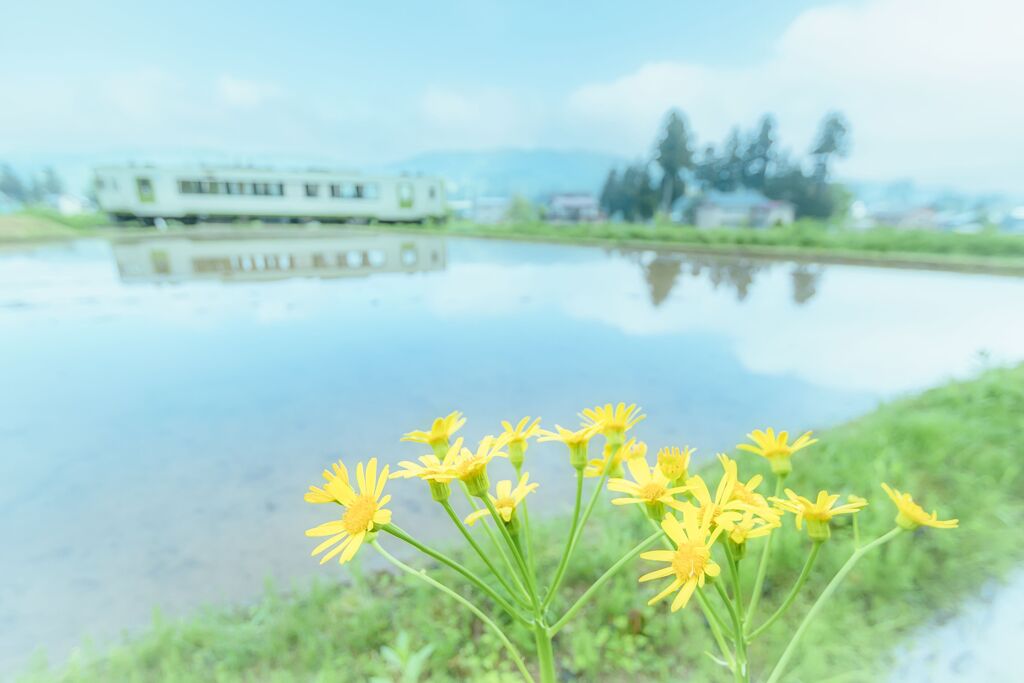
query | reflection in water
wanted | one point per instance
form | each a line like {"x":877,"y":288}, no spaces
{"x":662,"y":270}
{"x":173,"y":397}
{"x":276,"y":258}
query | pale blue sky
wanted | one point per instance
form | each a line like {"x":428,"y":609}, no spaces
{"x":361,"y":83}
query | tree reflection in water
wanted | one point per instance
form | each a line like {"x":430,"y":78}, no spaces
{"x":662,"y":271}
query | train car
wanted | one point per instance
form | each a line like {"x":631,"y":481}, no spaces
{"x":200,"y":193}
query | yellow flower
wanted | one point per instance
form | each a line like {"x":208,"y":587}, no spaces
{"x":722,"y":510}
{"x":576,"y":441}
{"x":637,"y":451}
{"x":910,"y":515}
{"x":744,"y":493}
{"x":612,"y":422}
{"x":470,"y":467}
{"x":516,"y":438}
{"x":364,"y":512}
{"x":649,"y":487}
{"x":440,"y":432}
{"x":326,"y":494}
{"x":507,"y":500}
{"x":753,"y":525}
{"x":817,"y":513}
{"x":674,"y":463}
{"x":436,"y":472}
{"x":775,"y":448}
{"x":690,"y":563}
{"x":611,"y":459}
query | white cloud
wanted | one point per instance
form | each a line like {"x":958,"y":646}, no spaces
{"x":930,"y":86}
{"x":479,"y":118}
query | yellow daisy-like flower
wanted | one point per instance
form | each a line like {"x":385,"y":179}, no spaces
{"x":721,"y":511}
{"x":364,"y":513}
{"x":611,"y":459}
{"x":507,"y":500}
{"x":649,"y":487}
{"x":576,"y":441}
{"x":690,"y":563}
{"x":744,"y":493}
{"x":612,"y":422}
{"x":439,"y":434}
{"x":674,"y":463}
{"x":775,"y":448}
{"x":470,"y":467}
{"x":435,"y":471}
{"x":338,"y":472}
{"x":753,"y":525}
{"x":516,"y":438}
{"x":817,"y":513}
{"x":910,"y":515}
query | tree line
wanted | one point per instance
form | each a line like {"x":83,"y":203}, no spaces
{"x":37,"y":189}
{"x":749,"y":160}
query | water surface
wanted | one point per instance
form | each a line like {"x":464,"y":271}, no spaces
{"x":165,"y":402}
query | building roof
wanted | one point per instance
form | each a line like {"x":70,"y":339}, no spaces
{"x":740,"y":199}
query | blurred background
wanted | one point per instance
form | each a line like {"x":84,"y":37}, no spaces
{"x":239,"y":241}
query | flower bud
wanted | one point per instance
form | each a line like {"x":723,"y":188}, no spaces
{"x":578,"y":456}
{"x":819,"y":530}
{"x":477,"y":483}
{"x":516,"y":450}
{"x":439,"y":490}
{"x":781,"y":465}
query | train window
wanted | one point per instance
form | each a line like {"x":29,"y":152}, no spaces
{"x":355,"y":259}
{"x":405,"y":195}
{"x":348,"y":191}
{"x":335,"y":190}
{"x":432,"y":192}
{"x":371,"y":191}
{"x":409,"y":255}
{"x":145,"y":189}
{"x":277,"y":189}
{"x":376,"y":258}
{"x":312,"y":189}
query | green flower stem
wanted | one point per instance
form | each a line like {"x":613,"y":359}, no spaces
{"x":794,"y":591}
{"x":579,"y":531}
{"x":512,"y":651}
{"x":780,"y":667}
{"x":740,"y":673}
{"x":526,"y":527}
{"x":545,"y":653}
{"x":716,"y":624}
{"x":499,"y":547}
{"x":762,"y":567}
{"x":564,"y":562}
{"x":444,"y":559}
{"x":596,"y":586}
{"x":516,"y":554}
{"x":479,"y":551}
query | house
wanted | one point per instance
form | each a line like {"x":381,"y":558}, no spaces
{"x":573,"y":207}
{"x":743,"y":208}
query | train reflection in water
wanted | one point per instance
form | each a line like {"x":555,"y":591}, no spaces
{"x":167,"y":259}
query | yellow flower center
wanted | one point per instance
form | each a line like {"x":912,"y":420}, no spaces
{"x":505,"y":503}
{"x":651,"y":491}
{"x":690,"y":560}
{"x":359,"y":514}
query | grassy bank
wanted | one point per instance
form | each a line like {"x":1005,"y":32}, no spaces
{"x":803,"y":240}
{"x":958,"y":447}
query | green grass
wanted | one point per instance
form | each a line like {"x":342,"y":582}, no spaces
{"x":958,"y":448}
{"x":810,"y":239}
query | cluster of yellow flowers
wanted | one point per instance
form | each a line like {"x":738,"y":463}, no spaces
{"x":688,"y":518}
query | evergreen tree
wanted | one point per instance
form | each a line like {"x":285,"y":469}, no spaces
{"x":674,"y":154}
{"x":11,"y":185}
{"x":757,"y":157}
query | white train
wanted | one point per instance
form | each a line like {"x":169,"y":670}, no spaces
{"x":199,"y":193}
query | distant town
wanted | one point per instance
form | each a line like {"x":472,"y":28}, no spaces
{"x":748,"y":180}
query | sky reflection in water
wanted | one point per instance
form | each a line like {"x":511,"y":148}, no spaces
{"x":160,"y":426}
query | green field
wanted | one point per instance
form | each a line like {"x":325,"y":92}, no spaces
{"x":958,"y":448}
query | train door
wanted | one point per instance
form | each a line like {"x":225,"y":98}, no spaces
{"x":406,"y":195}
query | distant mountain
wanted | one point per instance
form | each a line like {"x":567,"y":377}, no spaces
{"x":532,"y":173}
